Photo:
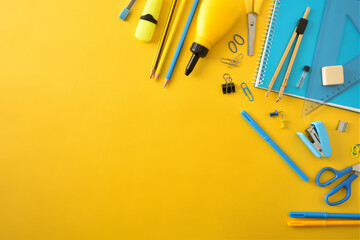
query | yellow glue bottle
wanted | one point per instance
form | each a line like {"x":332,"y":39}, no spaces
{"x":148,"y":20}
{"x":215,"y":18}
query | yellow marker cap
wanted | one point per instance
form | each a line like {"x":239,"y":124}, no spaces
{"x":147,"y":24}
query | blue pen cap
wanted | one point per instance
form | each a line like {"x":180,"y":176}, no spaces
{"x":124,"y":14}
{"x":308,"y":214}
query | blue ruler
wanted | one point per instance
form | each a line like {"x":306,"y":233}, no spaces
{"x":338,"y":44}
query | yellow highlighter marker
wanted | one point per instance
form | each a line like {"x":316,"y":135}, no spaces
{"x":148,"y":20}
{"x":322,"y":223}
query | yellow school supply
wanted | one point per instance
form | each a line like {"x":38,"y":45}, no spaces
{"x":148,"y":20}
{"x":214,"y":20}
{"x":162,"y":40}
{"x":170,"y":37}
{"x":322,"y":223}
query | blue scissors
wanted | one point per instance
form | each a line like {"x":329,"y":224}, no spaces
{"x":345,"y":184}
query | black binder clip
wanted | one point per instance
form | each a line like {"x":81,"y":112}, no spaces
{"x":229,"y":86}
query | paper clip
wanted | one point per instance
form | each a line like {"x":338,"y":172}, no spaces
{"x":355,"y":151}
{"x":247,"y":91}
{"x":235,"y":62}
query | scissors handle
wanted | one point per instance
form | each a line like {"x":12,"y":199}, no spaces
{"x":257,"y":6}
{"x":345,"y":184}
{"x":248,"y":6}
{"x":253,"y":6}
{"x":338,"y":174}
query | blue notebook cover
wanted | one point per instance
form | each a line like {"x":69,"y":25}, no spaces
{"x":285,"y":16}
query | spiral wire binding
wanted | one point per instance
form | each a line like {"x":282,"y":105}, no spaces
{"x":267,"y":38}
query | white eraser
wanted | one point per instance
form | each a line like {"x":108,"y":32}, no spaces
{"x":342,"y":126}
{"x":333,"y":75}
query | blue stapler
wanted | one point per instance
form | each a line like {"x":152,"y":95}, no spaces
{"x":317,"y":139}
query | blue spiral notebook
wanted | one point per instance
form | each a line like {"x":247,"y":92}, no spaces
{"x":314,"y":53}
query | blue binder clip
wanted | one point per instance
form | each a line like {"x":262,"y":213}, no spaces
{"x":317,"y":140}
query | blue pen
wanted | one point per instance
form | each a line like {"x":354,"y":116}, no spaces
{"x":181,"y":42}
{"x":324,"y":215}
{"x":267,"y":138}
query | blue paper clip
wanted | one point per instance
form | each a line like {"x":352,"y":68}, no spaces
{"x":247,"y":91}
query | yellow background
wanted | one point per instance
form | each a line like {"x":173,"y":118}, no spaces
{"x":91,"y":148}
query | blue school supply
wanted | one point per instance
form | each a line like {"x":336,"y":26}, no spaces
{"x":324,"y":215}
{"x":247,"y":92}
{"x":345,"y":184}
{"x":181,"y":42}
{"x":317,"y":140}
{"x":338,"y":44}
{"x":284,"y":17}
{"x":125,"y":12}
{"x":276,"y":113}
{"x":267,"y":138}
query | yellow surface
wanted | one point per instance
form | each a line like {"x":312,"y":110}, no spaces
{"x":91,"y":148}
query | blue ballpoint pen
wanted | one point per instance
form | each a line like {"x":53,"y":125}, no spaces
{"x":181,"y":42}
{"x":267,"y":138}
{"x":324,"y":215}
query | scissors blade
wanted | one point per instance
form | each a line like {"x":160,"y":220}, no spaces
{"x":251,"y":32}
{"x":356,"y":168}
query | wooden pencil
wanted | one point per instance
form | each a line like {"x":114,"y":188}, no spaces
{"x":170,"y":38}
{"x":163,"y":38}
